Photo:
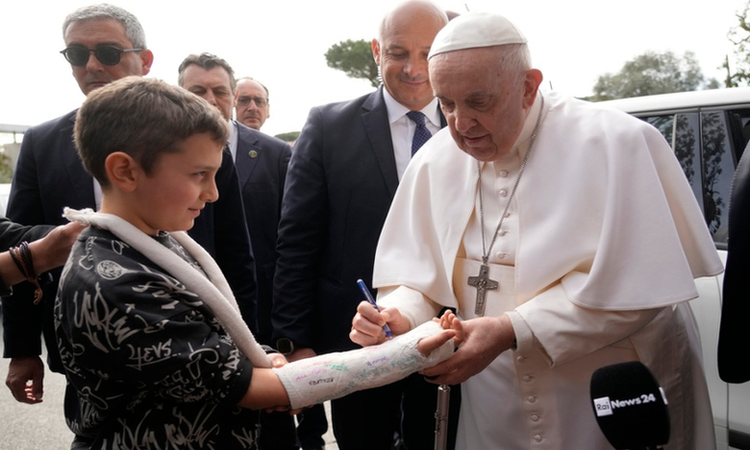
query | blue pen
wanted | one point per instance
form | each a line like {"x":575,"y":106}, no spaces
{"x":368,"y":296}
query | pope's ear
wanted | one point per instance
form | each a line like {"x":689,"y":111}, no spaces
{"x":122,"y":171}
{"x":531,"y":86}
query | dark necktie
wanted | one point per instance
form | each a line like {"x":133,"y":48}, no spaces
{"x":421,"y":134}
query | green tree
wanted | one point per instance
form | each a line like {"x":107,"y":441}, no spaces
{"x":355,"y":59}
{"x":289,"y":136}
{"x":740,"y":37}
{"x":652,"y":73}
{"x":6,"y":171}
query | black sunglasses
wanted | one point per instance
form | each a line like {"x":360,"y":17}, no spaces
{"x":106,"y":54}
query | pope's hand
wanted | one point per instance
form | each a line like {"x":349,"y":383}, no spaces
{"x":484,"y":339}
{"x":367,"y":325}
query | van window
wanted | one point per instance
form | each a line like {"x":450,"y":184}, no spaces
{"x":705,"y":144}
{"x":718,"y":171}
{"x":682,"y":131}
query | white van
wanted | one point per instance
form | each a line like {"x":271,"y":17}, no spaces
{"x":4,"y":193}
{"x":708,"y":131}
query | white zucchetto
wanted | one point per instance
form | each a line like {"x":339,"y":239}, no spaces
{"x":476,"y":29}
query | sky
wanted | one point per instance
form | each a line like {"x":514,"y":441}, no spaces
{"x":283,"y":43}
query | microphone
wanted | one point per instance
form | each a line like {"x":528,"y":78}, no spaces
{"x":630,"y":406}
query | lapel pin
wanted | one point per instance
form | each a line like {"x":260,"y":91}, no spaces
{"x":253,"y":154}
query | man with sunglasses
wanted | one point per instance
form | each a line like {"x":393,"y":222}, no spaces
{"x":103,"y":43}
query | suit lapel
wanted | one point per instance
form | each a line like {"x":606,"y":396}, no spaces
{"x":81,"y":182}
{"x":248,"y":153}
{"x":375,"y":118}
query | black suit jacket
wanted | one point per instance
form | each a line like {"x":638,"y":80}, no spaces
{"x":261,"y":163}
{"x":734,"y":332}
{"x":49,"y":176}
{"x":12,"y":234}
{"x":340,"y":183}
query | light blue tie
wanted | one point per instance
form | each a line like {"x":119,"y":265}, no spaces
{"x":421,"y":134}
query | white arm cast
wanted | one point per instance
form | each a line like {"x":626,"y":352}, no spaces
{"x":314,"y":380}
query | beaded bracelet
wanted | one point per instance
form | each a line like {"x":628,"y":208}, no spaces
{"x":21,"y":255}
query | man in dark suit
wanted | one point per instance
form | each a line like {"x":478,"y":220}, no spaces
{"x":252,"y":107}
{"x":342,"y":177}
{"x":103,"y":43}
{"x":734,"y":334}
{"x":261,"y":162}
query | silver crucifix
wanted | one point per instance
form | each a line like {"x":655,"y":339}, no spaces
{"x":482,"y":283}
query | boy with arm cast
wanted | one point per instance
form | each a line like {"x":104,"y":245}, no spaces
{"x":154,"y":348}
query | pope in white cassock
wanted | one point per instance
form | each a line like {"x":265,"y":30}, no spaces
{"x":566,"y":236}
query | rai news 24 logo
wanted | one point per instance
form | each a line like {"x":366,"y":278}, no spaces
{"x":606,"y":407}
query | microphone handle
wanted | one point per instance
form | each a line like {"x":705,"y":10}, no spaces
{"x":441,"y":417}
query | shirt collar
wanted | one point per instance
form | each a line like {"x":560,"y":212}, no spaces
{"x":524,"y":139}
{"x":396,"y":110}
{"x":233,"y":133}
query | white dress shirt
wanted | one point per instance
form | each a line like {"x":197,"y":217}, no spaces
{"x":402,"y":128}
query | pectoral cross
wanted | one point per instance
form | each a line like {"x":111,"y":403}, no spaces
{"x":482,"y":283}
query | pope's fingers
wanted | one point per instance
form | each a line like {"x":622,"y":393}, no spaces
{"x":462,"y":365}
{"x":364,"y":339}
{"x":365,"y":311}
{"x":369,"y":321}
{"x":442,"y":374}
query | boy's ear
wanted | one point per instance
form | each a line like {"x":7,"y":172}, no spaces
{"x":122,"y":171}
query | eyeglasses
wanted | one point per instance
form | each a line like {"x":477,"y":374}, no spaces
{"x":244,"y":101}
{"x":106,"y":54}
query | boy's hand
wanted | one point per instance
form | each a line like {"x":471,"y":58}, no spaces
{"x":277,"y":359}
{"x":484,"y":339}
{"x":450,"y":321}
{"x":428,"y":344}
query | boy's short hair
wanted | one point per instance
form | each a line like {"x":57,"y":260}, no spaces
{"x":143,"y":118}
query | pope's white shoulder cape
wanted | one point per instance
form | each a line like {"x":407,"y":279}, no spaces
{"x":604,"y":209}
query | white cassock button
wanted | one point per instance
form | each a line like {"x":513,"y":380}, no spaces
{"x":535,"y":417}
{"x":531,"y":399}
{"x":503,"y":232}
{"x":501,"y":255}
{"x":526,"y":378}
{"x":538,"y":437}
{"x":503,"y":173}
{"x":503,"y":192}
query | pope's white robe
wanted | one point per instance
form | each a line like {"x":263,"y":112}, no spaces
{"x":596,"y":261}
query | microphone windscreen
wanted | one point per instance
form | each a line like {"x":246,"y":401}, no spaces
{"x":630,"y":406}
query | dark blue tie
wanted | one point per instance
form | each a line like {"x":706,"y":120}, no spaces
{"x":421,"y":134}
